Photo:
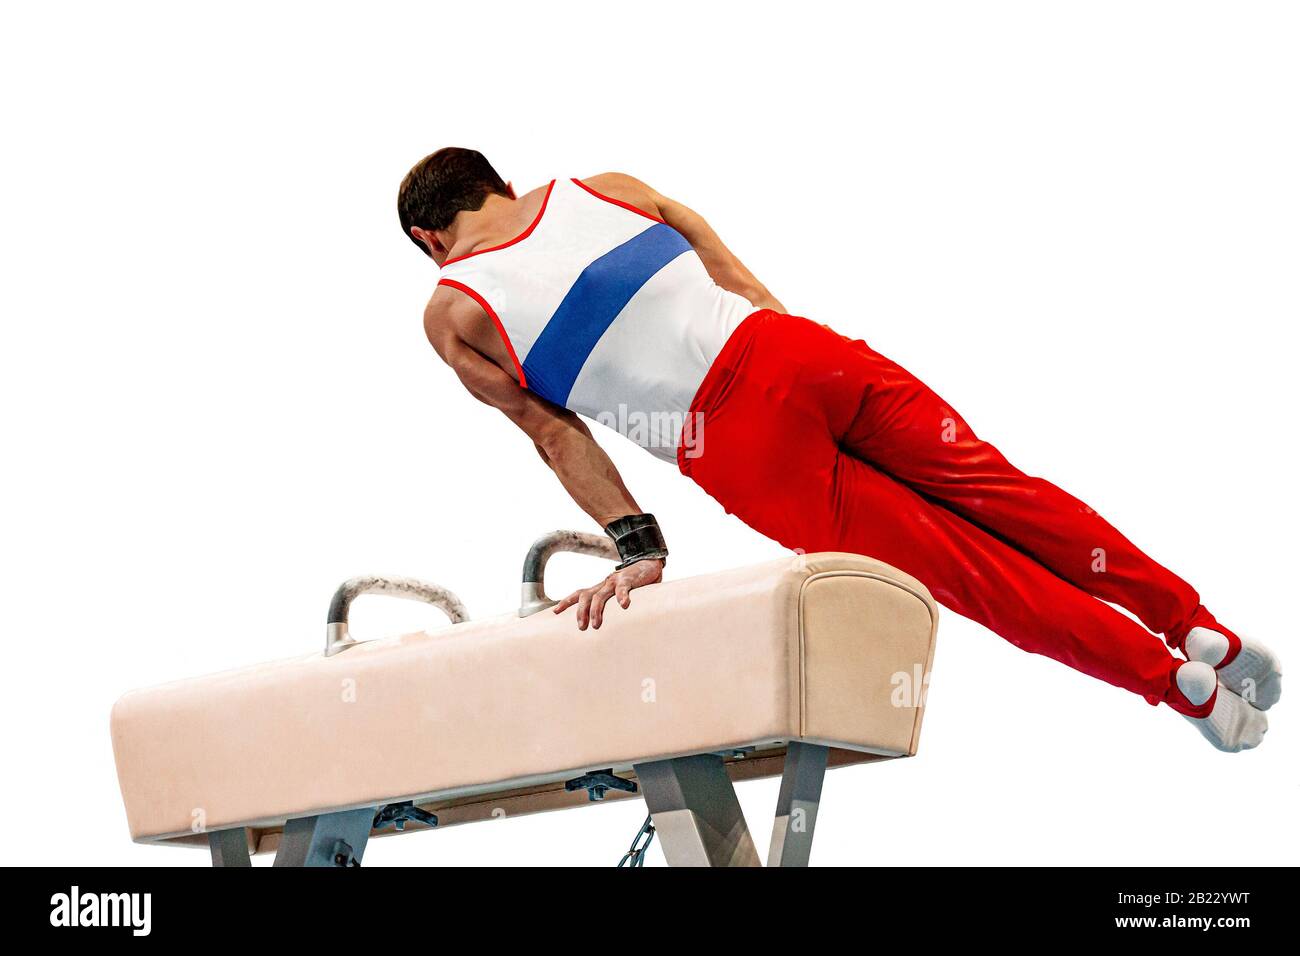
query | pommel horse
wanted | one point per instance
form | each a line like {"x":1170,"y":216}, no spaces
{"x":787,"y":667}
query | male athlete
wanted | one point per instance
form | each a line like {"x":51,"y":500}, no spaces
{"x":601,"y":297}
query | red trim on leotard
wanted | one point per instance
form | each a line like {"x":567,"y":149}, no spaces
{"x":519,"y":238}
{"x":501,"y":329}
{"x":616,"y":202}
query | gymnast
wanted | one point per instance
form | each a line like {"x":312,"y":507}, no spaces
{"x":602,"y":298}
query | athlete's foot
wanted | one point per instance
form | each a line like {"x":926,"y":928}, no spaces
{"x":1231,"y":725}
{"x":1253,"y":673}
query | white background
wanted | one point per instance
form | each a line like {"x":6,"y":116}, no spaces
{"x":1076,"y":221}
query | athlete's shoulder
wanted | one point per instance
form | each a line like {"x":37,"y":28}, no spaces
{"x":625,"y":189}
{"x":448,"y":312}
{"x":451,"y":302}
{"x":615,"y":181}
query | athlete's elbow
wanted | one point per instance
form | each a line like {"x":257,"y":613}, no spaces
{"x":746,"y":286}
{"x":760,"y":298}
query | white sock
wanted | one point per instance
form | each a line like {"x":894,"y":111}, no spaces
{"x":1233,"y":725}
{"x":1255,"y":674}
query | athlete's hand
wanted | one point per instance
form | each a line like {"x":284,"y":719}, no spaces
{"x":591,"y":601}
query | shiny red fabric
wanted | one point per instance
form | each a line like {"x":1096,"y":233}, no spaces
{"x":823,"y":444}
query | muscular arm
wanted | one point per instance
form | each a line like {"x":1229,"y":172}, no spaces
{"x":454,"y":325}
{"x":560,"y":436}
{"x":722,"y":264}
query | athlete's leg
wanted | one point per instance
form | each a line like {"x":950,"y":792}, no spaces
{"x":852,"y":507}
{"x":767,"y":451}
{"x":881,"y":413}
{"x":902,"y":427}
{"x":905,"y":429}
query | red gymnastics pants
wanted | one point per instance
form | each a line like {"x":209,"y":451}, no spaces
{"x":825,"y":445}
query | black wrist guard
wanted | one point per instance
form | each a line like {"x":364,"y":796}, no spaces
{"x":638,"y":537}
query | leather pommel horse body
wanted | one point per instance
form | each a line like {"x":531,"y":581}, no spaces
{"x":785,"y":667}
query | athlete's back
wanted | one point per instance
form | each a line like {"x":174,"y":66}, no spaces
{"x":604,"y":309}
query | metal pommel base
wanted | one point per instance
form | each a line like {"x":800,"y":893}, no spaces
{"x":533,"y":593}
{"x":699,"y":821}
{"x":691,"y":800}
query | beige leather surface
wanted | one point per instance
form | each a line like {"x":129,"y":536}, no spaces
{"x":814,"y":647}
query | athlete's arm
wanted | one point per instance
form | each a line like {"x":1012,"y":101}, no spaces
{"x":561,"y":438}
{"x":722,"y":264}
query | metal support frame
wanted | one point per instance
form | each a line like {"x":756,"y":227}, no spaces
{"x":699,"y":821}
{"x":796,"y":807}
{"x":599,"y":782}
{"x":696,"y":813}
{"x":329,"y":839}
{"x":229,"y":847}
{"x":691,"y":801}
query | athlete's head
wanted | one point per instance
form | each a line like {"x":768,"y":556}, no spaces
{"x":445,"y":183}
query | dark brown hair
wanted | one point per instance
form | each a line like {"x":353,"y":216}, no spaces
{"x":442,"y":184}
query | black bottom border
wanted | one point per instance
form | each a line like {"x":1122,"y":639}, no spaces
{"x":1004,"y":904}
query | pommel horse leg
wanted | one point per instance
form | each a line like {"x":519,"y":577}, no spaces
{"x":229,"y":847}
{"x":329,"y":839}
{"x":695,"y":812}
{"x":796,"y":807}
{"x":699,"y":821}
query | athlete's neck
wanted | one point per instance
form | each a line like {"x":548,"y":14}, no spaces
{"x":498,"y":216}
